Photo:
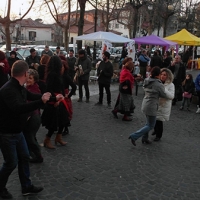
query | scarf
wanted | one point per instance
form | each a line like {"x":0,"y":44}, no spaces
{"x":126,"y":75}
{"x":33,"y":88}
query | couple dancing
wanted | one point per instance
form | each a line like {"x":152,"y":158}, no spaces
{"x":156,"y":104}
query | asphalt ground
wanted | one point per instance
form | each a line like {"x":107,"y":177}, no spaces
{"x":100,"y":163}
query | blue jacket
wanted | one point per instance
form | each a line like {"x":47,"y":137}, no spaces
{"x":197,"y":83}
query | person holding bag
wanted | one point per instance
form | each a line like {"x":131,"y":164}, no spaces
{"x":188,"y":88}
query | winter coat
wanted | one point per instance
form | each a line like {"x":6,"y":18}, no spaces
{"x":153,"y":89}
{"x":197,"y":83}
{"x":12,"y":60}
{"x":86,"y":66}
{"x":4,"y":71}
{"x":188,"y":86}
{"x":156,"y":61}
{"x":167,"y":62}
{"x":180,"y":76}
{"x":165,"y":104}
{"x":143,"y":60}
{"x":105,"y":72}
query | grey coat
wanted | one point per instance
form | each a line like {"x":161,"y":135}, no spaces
{"x":153,"y":90}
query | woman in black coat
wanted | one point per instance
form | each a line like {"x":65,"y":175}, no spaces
{"x":67,"y":81}
{"x":55,"y":115}
{"x":167,"y":59}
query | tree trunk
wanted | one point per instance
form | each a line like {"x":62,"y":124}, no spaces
{"x":107,"y":17}
{"x":165,"y":27}
{"x":7,"y":33}
{"x":81,"y":24}
{"x":135,"y":22}
{"x":66,"y":32}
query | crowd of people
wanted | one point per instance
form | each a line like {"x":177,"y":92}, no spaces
{"x":47,"y":84}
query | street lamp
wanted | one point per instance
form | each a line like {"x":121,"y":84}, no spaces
{"x":20,"y":26}
{"x":17,"y":33}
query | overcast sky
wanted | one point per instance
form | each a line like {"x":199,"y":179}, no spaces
{"x":21,"y":6}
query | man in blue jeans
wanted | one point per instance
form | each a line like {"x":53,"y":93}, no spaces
{"x":14,"y":112}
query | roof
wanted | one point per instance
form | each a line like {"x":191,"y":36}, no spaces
{"x":100,"y":36}
{"x":184,"y":37}
{"x":154,"y":40}
{"x":89,"y":28}
{"x":33,"y":23}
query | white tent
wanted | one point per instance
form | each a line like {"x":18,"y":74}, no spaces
{"x":102,"y":36}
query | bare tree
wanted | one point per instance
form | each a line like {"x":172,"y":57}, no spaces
{"x":108,"y":10}
{"x":136,"y":5}
{"x":7,"y":22}
{"x":56,"y":9}
{"x":189,"y":14}
{"x":82,"y":4}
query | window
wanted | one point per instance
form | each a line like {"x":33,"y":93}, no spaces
{"x":116,"y":25}
{"x":32,"y":35}
{"x":125,"y":27}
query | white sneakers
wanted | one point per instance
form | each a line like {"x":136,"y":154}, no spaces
{"x":198,"y":109}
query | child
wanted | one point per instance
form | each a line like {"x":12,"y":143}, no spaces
{"x":188,"y":88}
{"x":33,"y":121}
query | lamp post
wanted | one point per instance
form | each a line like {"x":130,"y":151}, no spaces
{"x":95,"y":29}
{"x":20,"y":27}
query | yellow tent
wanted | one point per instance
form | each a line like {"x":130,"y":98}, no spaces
{"x":184,"y":37}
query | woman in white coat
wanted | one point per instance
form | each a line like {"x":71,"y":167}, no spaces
{"x":165,"y":104}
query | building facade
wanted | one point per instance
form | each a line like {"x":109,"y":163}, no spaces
{"x":31,"y":31}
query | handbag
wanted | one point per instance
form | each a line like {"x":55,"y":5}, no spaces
{"x":187,"y":95}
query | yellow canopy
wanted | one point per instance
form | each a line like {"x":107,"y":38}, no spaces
{"x":184,"y":37}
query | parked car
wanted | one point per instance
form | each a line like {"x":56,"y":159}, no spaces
{"x":13,"y":47}
{"x":24,"y":52}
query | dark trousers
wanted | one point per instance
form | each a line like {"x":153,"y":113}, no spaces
{"x":198,"y":94}
{"x":187,"y":100}
{"x":30,"y":130}
{"x":107,"y":88}
{"x":80,"y":85}
{"x":158,"y":128}
{"x":143,"y":71}
{"x":15,"y":152}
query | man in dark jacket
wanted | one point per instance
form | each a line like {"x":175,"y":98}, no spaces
{"x":156,"y":60}
{"x":104,"y":73}
{"x":13,"y":57}
{"x":33,"y":60}
{"x":14,"y":112}
{"x":179,"y":71}
{"x":71,"y":60}
{"x":83,"y":68}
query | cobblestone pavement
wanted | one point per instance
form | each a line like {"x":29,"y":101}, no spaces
{"x":100,"y":163}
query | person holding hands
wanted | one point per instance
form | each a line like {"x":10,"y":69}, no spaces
{"x":16,"y":103}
